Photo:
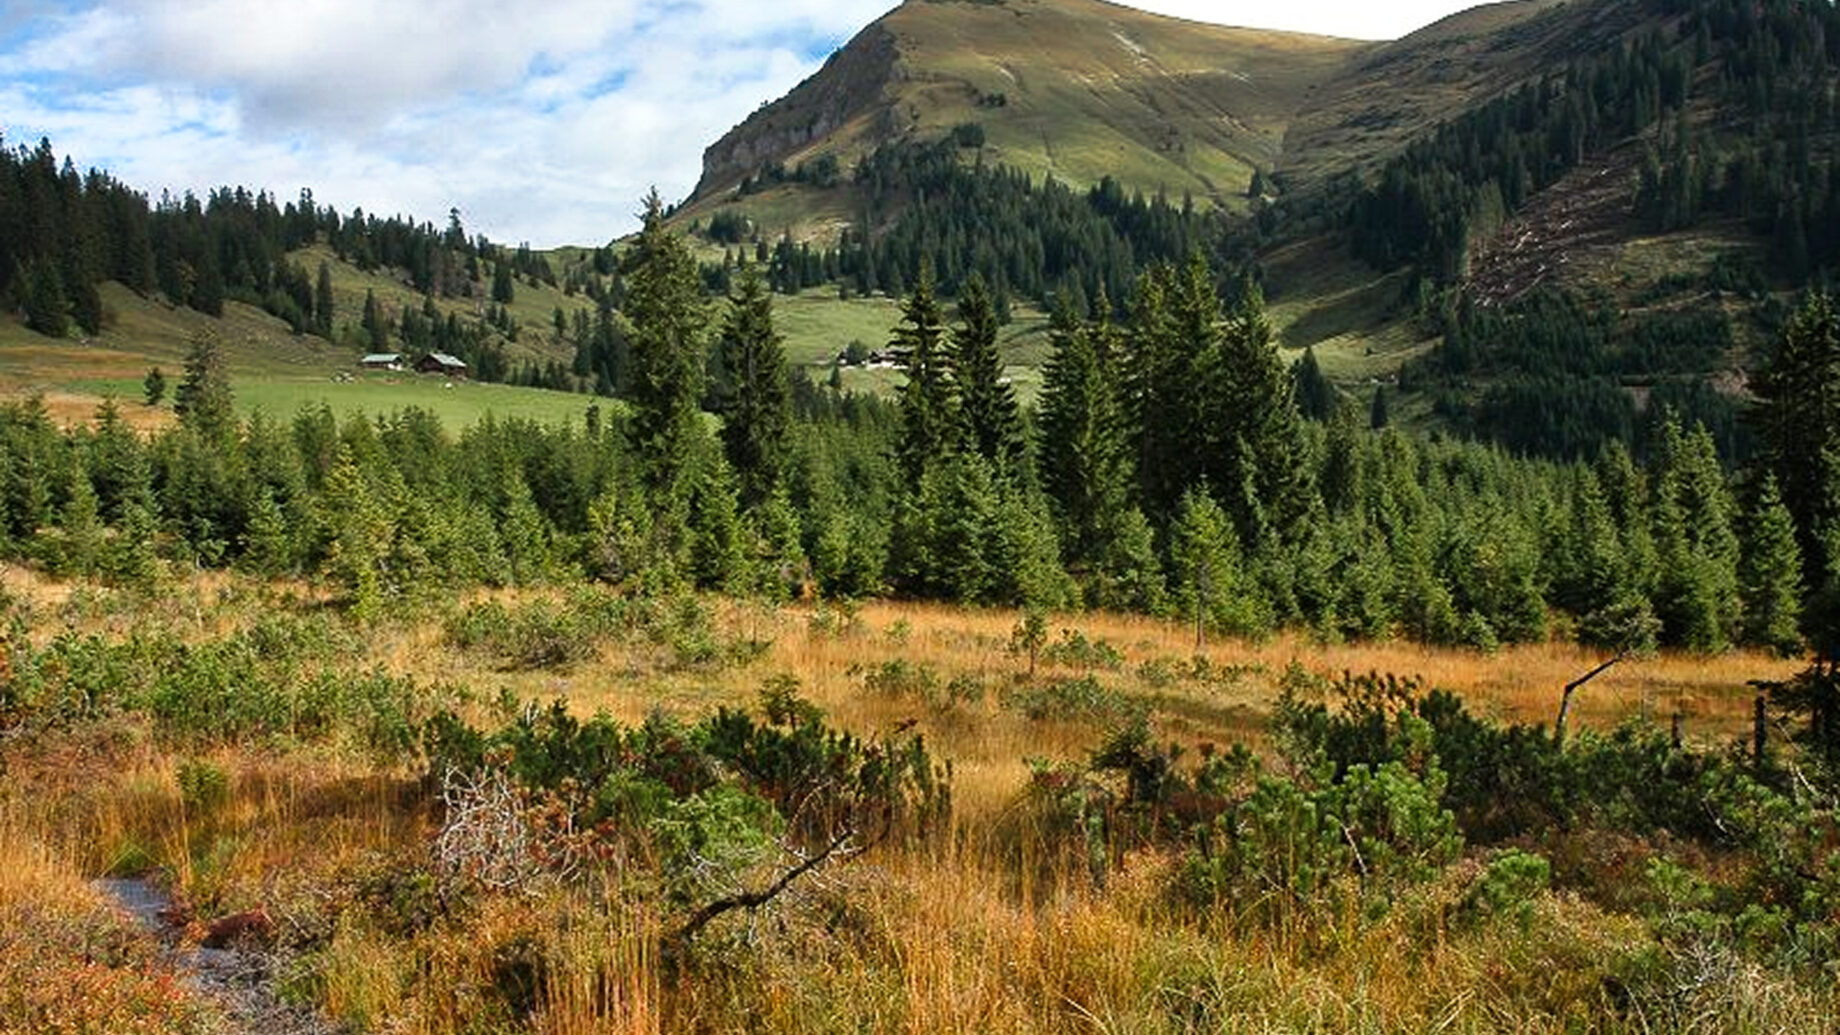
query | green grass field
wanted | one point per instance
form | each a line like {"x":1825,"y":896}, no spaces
{"x":271,"y":369}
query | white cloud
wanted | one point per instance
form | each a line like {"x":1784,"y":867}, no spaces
{"x":542,"y":122}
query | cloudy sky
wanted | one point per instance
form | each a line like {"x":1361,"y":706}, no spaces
{"x":542,"y":122}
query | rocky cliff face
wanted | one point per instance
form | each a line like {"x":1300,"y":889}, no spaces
{"x":849,"y":89}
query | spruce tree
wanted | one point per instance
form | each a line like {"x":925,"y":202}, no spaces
{"x":718,"y":543}
{"x":504,"y":289}
{"x":153,"y":386}
{"x":987,"y":402}
{"x":1084,"y":457}
{"x":360,"y":531}
{"x":756,"y":408}
{"x":322,"y":302}
{"x":1258,"y":458}
{"x":1770,"y":576}
{"x":664,"y":304}
{"x":1696,"y":593}
{"x":46,"y":308}
{"x":203,"y":401}
{"x":376,"y":328}
{"x":1205,"y":567}
{"x":1161,"y":387}
{"x":1797,"y":417}
{"x":79,"y":550}
{"x":1315,"y":395}
{"x":929,"y":419}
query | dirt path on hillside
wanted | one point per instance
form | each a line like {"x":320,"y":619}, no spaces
{"x":239,"y":982}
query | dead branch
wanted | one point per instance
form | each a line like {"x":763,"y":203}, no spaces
{"x":1565,"y":702}
{"x":841,"y":843}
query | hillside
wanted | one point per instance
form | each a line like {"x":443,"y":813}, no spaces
{"x":1076,"y":89}
{"x":1083,"y":89}
{"x":1661,"y":167}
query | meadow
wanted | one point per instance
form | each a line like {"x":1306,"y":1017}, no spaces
{"x":252,"y":748}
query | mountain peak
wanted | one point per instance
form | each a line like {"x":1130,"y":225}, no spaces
{"x":1076,"y":89}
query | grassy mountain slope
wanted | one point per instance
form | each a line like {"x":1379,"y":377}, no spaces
{"x":1077,"y":89}
{"x":272,"y":369}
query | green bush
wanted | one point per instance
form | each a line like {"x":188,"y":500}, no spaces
{"x":1083,"y":698}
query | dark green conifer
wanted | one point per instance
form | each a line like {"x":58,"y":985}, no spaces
{"x":1770,"y":576}
{"x":987,"y":402}
{"x":756,"y":407}
{"x":664,"y":304}
{"x":929,"y":418}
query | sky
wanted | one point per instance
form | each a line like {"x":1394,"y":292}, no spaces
{"x":542,"y":122}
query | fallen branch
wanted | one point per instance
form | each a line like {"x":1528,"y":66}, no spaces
{"x":681,"y":938}
{"x":1565,"y":702}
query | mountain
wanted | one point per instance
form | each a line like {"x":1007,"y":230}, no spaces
{"x":1641,"y":182}
{"x":1076,"y":89}
{"x":1083,"y":89}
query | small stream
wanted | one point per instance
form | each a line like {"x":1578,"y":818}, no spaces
{"x":238,"y":981}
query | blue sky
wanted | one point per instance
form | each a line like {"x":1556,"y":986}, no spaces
{"x":543,"y":122}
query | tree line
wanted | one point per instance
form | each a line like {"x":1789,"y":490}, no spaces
{"x":1166,"y":468}
{"x":63,"y":233}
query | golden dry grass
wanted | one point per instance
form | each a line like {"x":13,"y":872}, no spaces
{"x":989,"y":745}
{"x":994,"y":929}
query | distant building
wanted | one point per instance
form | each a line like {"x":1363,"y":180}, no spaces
{"x":440,"y":363}
{"x":382,"y":361}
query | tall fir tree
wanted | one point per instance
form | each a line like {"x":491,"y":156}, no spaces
{"x":1315,"y":395}
{"x":664,"y":303}
{"x":1258,"y":457}
{"x":1797,"y":417}
{"x":987,"y":401}
{"x":376,"y":327}
{"x":756,"y":405}
{"x":929,"y":417}
{"x":1085,"y":460}
{"x":1161,"y":389}
{"x":47,"y":310}
{"x":203,"y":401}
{"x":322,"y":302}
{"x":1770,"y":575}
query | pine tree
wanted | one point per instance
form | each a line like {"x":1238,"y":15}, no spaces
{"x":203,"y":400}
{"x":1161,"y":392}
{"x":1205,"y":567}
{"x":153,"y":386}
{"x":46,"y":308}
{"x":1377,"y":417}
{"x":1696,"y":595}
{"x":1258,"y":458}
{"x":718,"y":544}
{"x":132,"y":557}
{"x":987,"y":402}
{"x":1315,"y":395}
{"x":322,"y":302}
{"x":118,"y":463}
{"x":86,"y":306}
{"x":504,"y":291}
{"x":267,"y":549}
{"x":664,"y":303}
{"x":1770,"y":577}
{"x":757,"y":408}
{"x":360,"y":533}
{"x":1084,"y":457}
{"x":376,"y":328}
{"x":79,"y":549}
{"x":1798,"y":420}
{"x":929,"y":421}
